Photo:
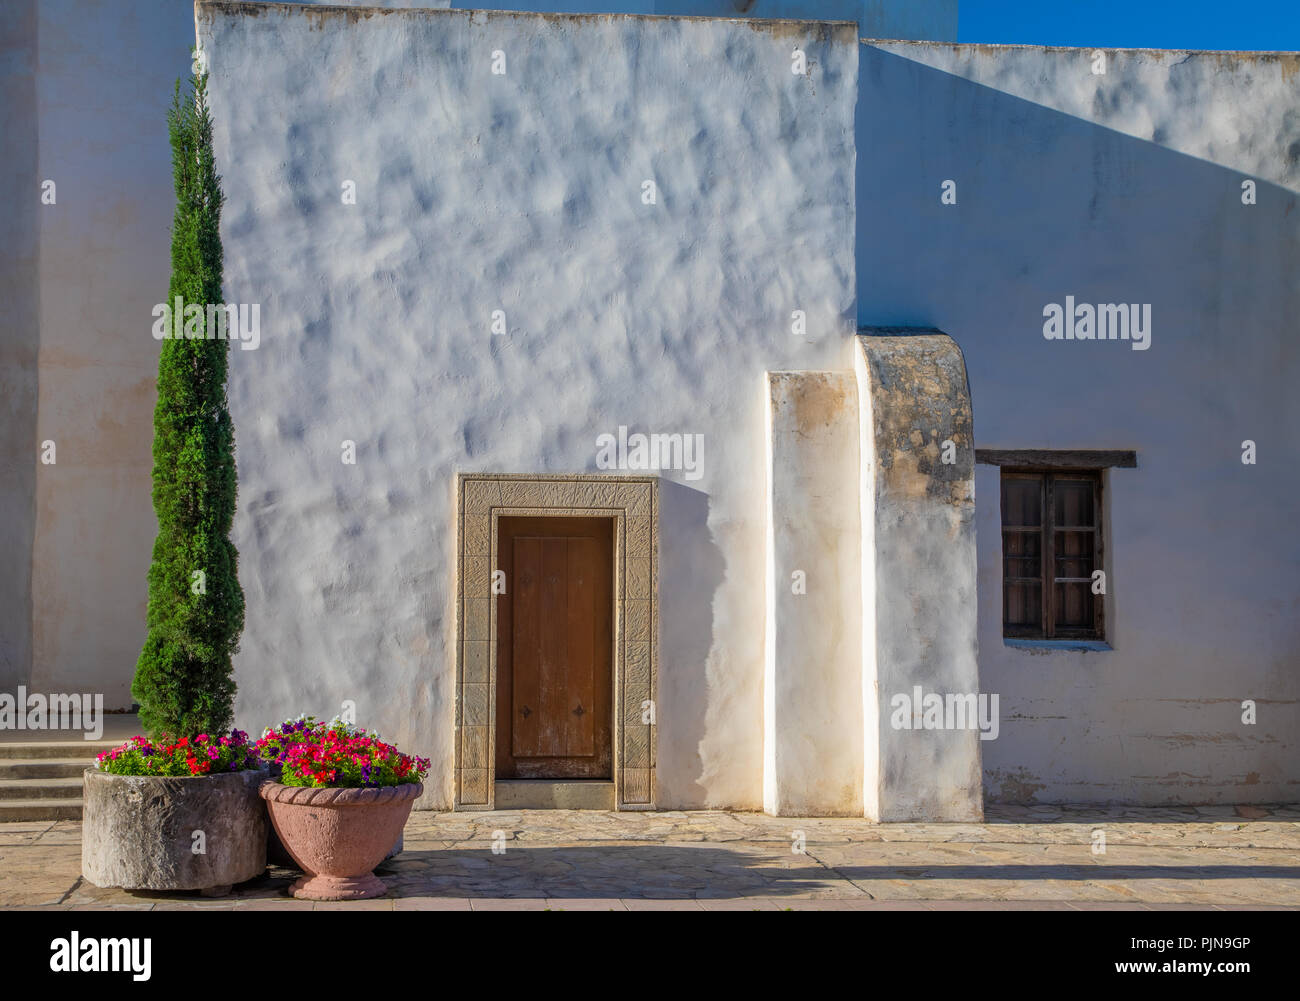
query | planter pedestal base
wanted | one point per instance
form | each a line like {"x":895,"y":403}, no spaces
{"x":338,"y":887}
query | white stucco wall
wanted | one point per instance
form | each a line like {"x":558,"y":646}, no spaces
{"x":812,"y":684}
{"x":85,"y":90}
{"x":86,"y":84}
{"x":19,"y":336}
{"x":1117,"y":187}
{"x":104,"y":78}
{"x":520,"y":192}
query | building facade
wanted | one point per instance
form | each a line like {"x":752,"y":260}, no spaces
{"x":728,"y":411}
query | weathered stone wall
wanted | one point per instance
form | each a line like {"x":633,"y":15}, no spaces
{"x":919,"y":609}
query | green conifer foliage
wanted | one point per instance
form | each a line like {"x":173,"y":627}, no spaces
{"x":184,"y":680}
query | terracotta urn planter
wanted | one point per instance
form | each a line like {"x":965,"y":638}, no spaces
{"x":277,"y":854}
{"x":338,"y":836}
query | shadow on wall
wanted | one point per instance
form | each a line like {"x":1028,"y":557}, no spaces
{"x":19,"y":337}
{"x":1050,"y":205}
{"x":686,"y":553}
{"x":1044,"y":198}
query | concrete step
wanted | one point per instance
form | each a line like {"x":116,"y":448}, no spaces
{"x":40,"y":809}
{"x":81,"y":750}
{"x":43,"y":768}
{"x":41,"y":778}
{"x":61,"y":789}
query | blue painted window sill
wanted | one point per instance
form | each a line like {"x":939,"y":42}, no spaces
{"x":1057,"y":644}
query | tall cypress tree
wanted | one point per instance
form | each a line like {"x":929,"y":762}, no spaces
{"x":184,"y":680}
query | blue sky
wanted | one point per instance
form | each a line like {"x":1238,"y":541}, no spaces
{"x":1156,"y":24}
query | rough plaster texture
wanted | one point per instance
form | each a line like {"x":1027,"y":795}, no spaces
{"x":84,"y":89}
{"x":812,"y":706}
{"x":515,"y":193}
{"x":1122,"y":187}
{"x":84,"y":86}
{"x":918,"y":521}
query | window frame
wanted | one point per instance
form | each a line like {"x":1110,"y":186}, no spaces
{"x":1048,"y":630}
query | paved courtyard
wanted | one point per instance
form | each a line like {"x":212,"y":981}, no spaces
{"x":1021,"y":857}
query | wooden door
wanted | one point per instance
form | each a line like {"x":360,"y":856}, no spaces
{"x":555,"y":648}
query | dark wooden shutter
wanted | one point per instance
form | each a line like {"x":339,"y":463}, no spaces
{"x":1051,"y":545}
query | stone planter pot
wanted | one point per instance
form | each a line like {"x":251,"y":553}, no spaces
{"x":338,"y":836}
{"x":138,"y":831}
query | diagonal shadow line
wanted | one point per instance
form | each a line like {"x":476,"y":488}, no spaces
{"x":873,"y":56}
{"x":848,"y":879}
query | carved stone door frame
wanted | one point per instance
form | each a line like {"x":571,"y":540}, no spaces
{"x":482,"y":499}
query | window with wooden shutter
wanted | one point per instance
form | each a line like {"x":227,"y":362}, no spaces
{"x":1051,"y":545}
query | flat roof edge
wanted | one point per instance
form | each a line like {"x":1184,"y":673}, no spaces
{"x":254,"y":8}
{"x":1239,"y":53}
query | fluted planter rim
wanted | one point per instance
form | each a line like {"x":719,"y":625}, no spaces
{"x":339,"y":796}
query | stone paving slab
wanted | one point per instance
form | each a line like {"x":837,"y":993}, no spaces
{"x":1021,"y":858}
